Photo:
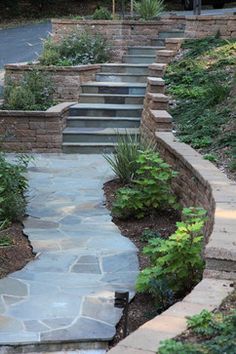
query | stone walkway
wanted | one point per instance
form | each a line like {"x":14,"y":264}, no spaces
{"x":67,"y":293}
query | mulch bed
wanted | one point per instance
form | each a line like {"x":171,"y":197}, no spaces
{"x":142,"y":307}
{"x":18,"y":253}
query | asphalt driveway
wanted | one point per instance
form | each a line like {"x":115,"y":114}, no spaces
{"x":22,"y":44}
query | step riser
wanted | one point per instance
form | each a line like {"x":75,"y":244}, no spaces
{"x":163,"y":35}
{"x":114,"y":90}
{"x":142,"y":51}
{"x":87,"y":150}
{"x":124,"y":70}
{"x":123,"y":78}
{"x":111,"y":100}
{"x":105,"y":112}
{"x":157,"y":42}
{"x":103,"y":123}
{"x":139,"y":60}
{"x":91,"y":138}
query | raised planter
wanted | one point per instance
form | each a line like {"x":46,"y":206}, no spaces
{"x":33,"y":131}
{"x":66,"y":79}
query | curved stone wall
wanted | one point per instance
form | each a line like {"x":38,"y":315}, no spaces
{"x":199,"y":183}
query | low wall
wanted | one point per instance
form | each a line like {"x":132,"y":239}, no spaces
{"x":66,"y":79}
{"x":199,"y":183}
{"x":121,"y":34}
{"x":33,"y":131}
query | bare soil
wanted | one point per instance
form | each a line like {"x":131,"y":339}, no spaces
{"x":142,"y":308}
{"x":18,"y":253}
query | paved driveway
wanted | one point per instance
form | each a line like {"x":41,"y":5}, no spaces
{"x":22,"y":44}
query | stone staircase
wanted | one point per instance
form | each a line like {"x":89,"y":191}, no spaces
{"x":112,"y":105}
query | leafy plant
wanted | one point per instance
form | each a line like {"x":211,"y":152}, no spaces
{"x":13,"y":184}
{"x":171,"y":346}
{"x":150,"y":190}
{"x":123,"y":162}
{"x":177,"y":260}
{"x":149,"y":234}
{"x":77,"y":48}
{"x":149,"y":9}
{"x":215,"y":335}
{"x":102,"y":13}
{"x":210,"y":157}
{"x":33,"y":92}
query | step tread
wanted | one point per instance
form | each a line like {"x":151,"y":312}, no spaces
{"x":100,"y":131}
{"x":146,"y":47}
{"x":130,"y":65}
{"x":87,"y":118}
{"x":139,"y":56}
{"x":119,"y":74}
{"x":109,"y":95}
{"x":106,"y":106}
{"x":89,"y":144}
{"x":114,"y":84}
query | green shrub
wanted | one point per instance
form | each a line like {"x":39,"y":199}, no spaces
{"x":20,"y":98}
{"x":13,"y":184}
{"x":150,"y":190}
{"x":77,"y":48}
{"x":102,"y":13}
{"x":33,"y":92}
{"x":176,"y":261}
{"x":149,"y":9}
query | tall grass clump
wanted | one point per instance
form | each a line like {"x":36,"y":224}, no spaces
{"x":149,"y":9}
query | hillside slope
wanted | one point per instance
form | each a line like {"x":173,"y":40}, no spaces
{"x":202,"y":82}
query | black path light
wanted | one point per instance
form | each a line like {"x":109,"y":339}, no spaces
{"x":122,"y":302}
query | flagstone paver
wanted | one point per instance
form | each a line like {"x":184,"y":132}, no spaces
{"x":67,"y":292}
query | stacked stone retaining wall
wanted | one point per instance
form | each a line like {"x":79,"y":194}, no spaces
{"x":33,"y":131}
{"x":121,"y":34}
{"x":66,"y":80}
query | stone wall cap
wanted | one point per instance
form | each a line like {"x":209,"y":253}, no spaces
{"x":157,"y":66}
{"x":157,"y":97}
{"x":157,"y":81}
{"x":160,"y":114}
{"x":165,"y":52}
{"x":53,"y":68}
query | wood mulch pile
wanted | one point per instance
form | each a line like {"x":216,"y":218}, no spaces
{"x":18,"y":253}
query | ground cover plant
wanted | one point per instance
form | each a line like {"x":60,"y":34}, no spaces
{"x":208,"y":333}
{"x":33,"y":92}
{"x":203,"y":84}
{"x":76,"y":49}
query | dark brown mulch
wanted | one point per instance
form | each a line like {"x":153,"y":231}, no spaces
{"x":18,"y":253}
{"x":142,"y":307}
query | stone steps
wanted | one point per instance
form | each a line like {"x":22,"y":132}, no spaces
{"x":107,"y":110}
{"x":170,"y":34}
{"x":121,"y":77}
{"x":125,"y":68}
{"x":110,"y":98}
{"x":141,"y":50}
{"x":96,"y":135}
{"x":140,"y":59}
{"x":103,"y":122}
{"x":88,"y":148}
{"x":123,"y":88}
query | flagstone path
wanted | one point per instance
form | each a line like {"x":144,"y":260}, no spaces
{"x":67,"y":293}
